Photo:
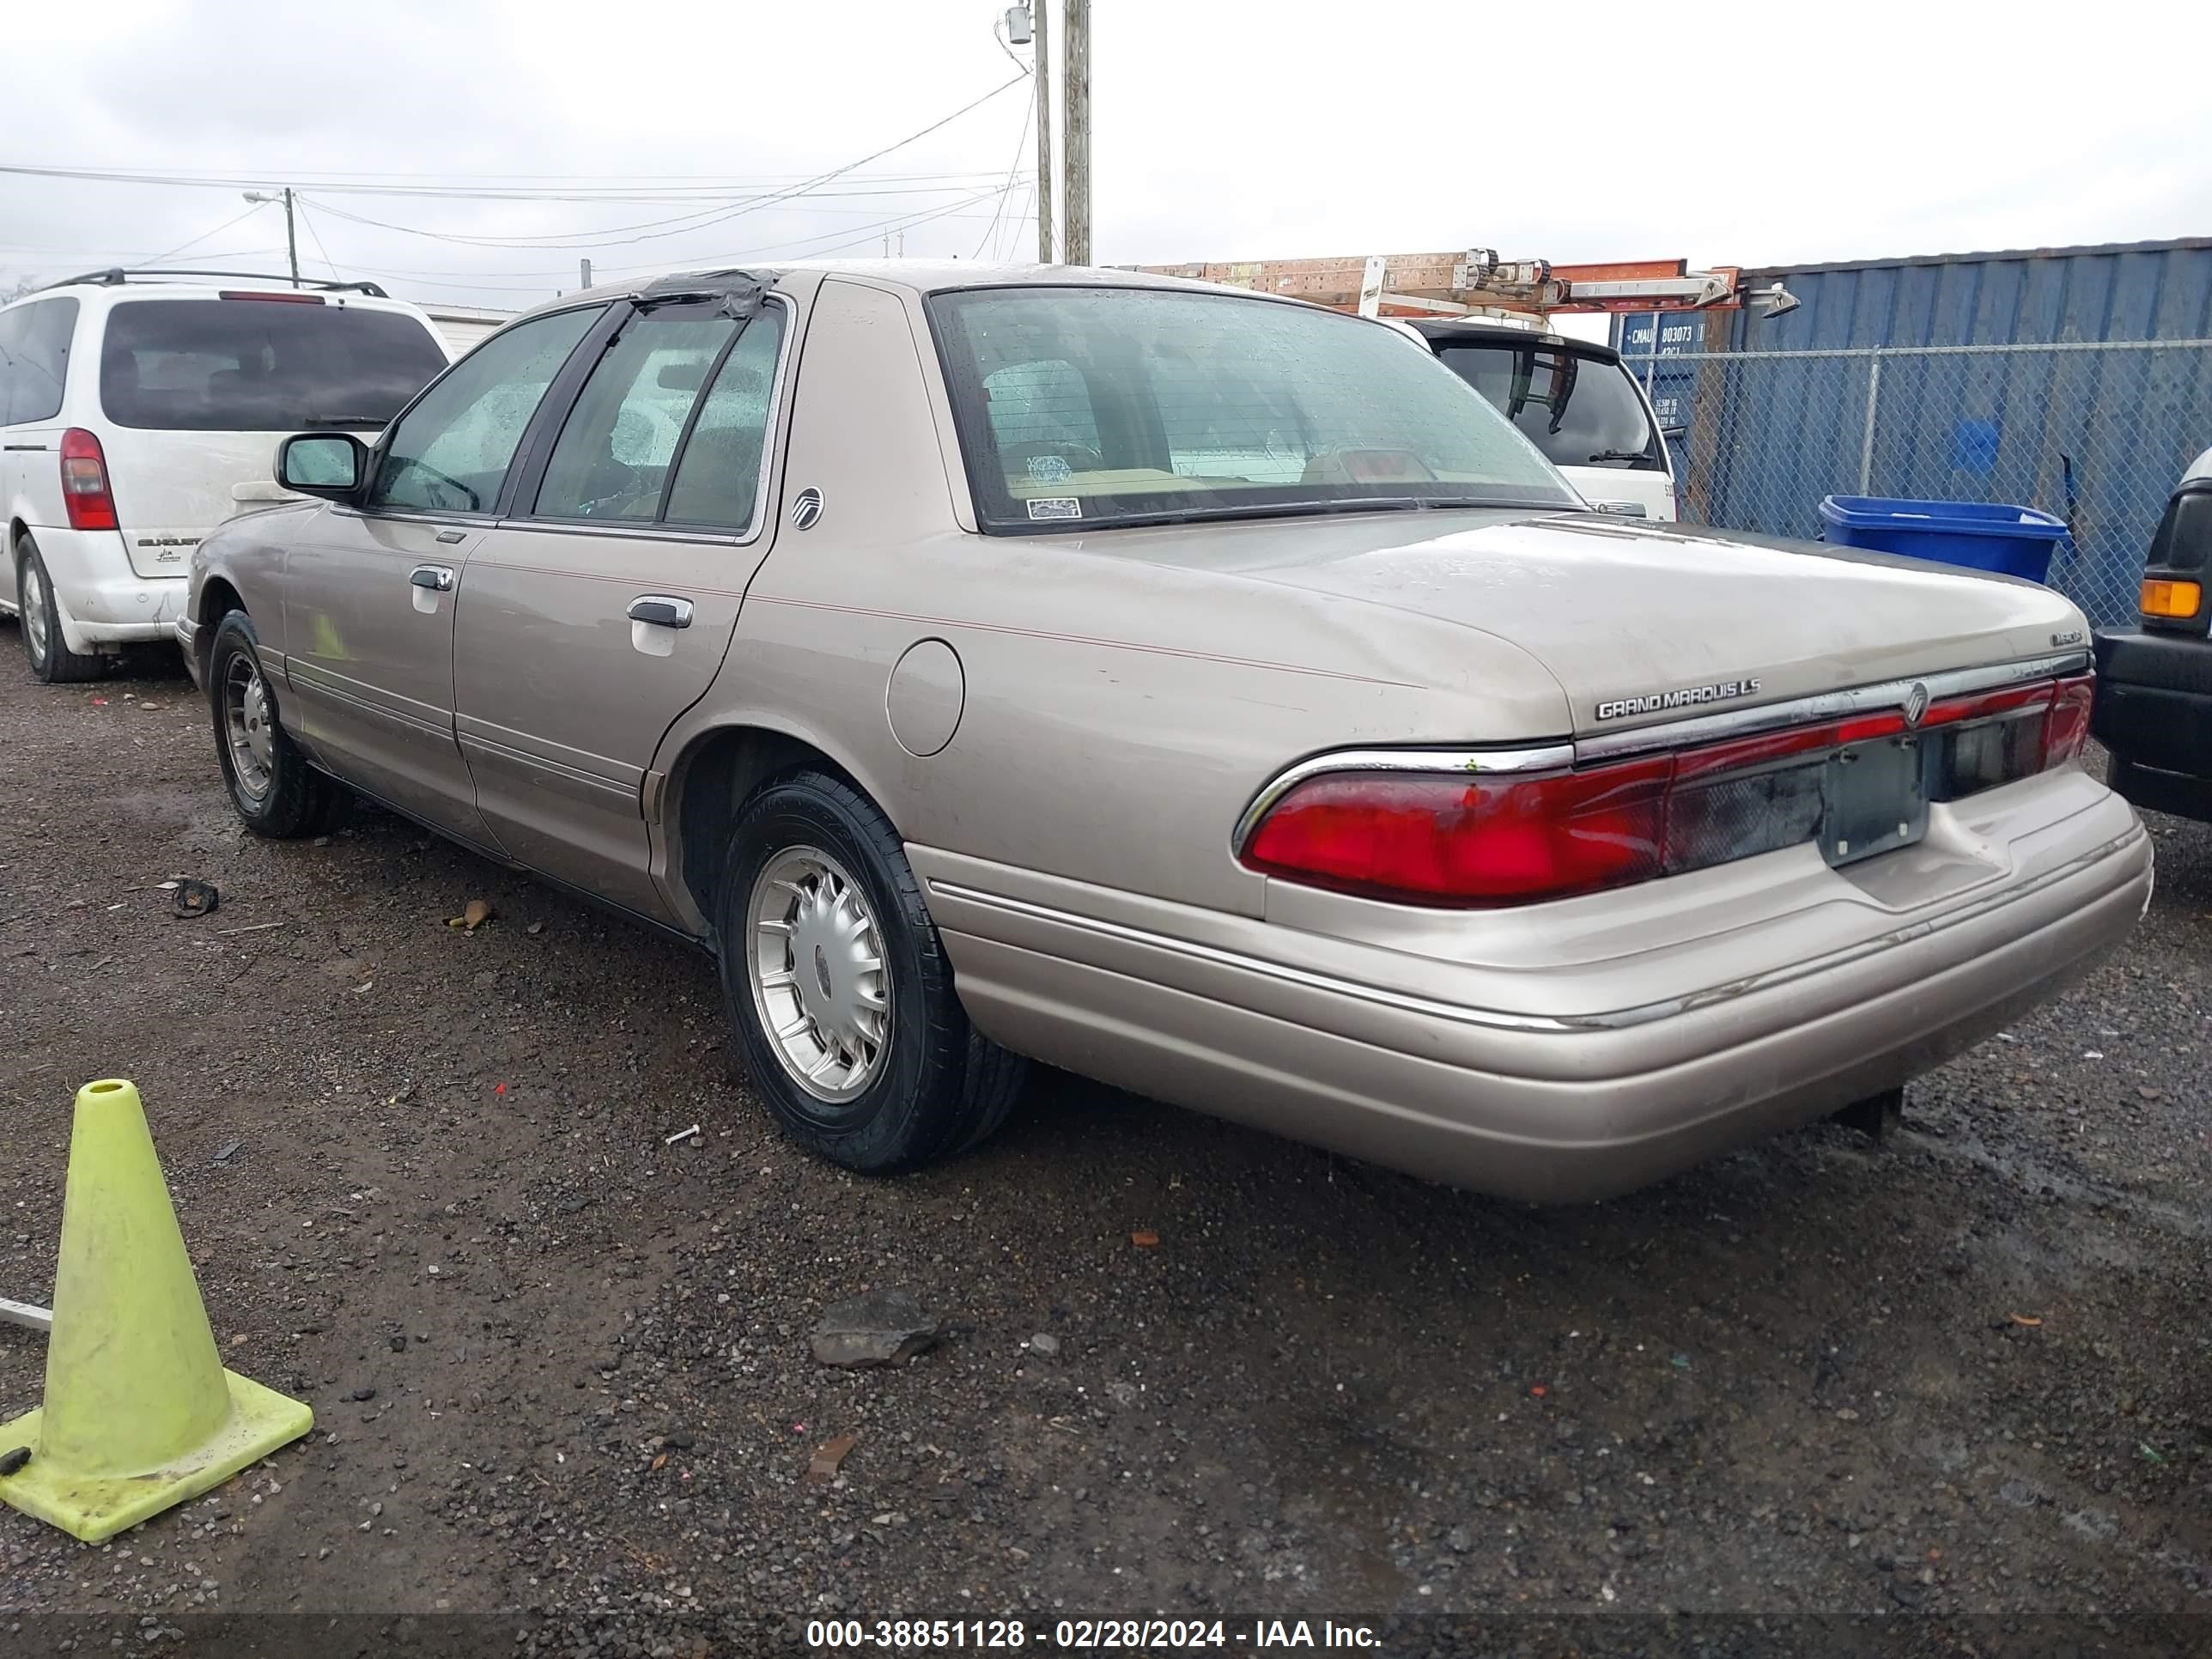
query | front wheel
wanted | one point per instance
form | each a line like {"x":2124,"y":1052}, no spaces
{"x":839,"y":994}
{"x":275,"y":790}
{"x":52,"y":660}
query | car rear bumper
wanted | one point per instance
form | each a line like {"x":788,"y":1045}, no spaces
{"x":1553,"y":1110}
{"x":103,"y":601}
{"x":2153,"y":712}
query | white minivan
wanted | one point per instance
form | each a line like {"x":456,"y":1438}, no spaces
{"x":131,"y":404}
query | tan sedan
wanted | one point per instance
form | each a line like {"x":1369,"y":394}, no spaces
{"x":1201,"y":692}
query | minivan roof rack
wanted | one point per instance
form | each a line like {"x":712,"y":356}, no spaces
{"x":116,"y":275}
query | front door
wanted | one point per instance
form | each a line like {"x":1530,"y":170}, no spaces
{"x":601,"y":608}
{"x":371,"y":591}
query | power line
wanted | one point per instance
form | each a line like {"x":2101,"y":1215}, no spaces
{"x":797,"y":248}
{"x":316,"y":236}
{"x":656,"y":229}
{"x":157,"y":257}
{"x":870,"y":235}
{"x":873,"y":226}
{"x":1021,"y":143}
{"x":642,"y":189}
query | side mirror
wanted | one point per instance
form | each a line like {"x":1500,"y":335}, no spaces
{"x":1674,"y":433}
{"x":331,"y":465}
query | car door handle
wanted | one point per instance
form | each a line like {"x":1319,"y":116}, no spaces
{"x":438,"y":578}
{"x":661,"y":610}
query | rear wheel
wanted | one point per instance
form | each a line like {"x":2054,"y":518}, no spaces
{"x":839,"y":994}
{"x":275,"y":790}
{"x":52,"y":660}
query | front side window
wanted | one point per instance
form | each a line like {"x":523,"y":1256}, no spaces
{"x":256,"y":363}
{"x":34,"y":346}
{"x":1580,"y":409}
{"x":612,"y":457}
{"x":1084,"y":406}
{"x":451,"y":451}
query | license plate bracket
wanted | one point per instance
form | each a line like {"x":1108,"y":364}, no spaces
{"x":1874,"y":799}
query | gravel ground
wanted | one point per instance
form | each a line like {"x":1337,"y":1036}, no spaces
{"x":559,"y":1368}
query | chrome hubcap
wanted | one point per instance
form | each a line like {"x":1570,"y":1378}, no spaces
{"x":818,"y":980}
{"x":247,"y":727}
{"x":34,"y":611}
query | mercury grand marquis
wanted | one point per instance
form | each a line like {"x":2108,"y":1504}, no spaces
{"x":1198,"y":690}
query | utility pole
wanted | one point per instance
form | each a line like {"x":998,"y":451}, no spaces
{"x":1039,"y":10}
{"x":584,"y":268}
{"x":291,"y":232}
{"x":1075,"y":77}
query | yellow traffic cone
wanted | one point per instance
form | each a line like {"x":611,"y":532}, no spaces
{"x":139,"y":1411}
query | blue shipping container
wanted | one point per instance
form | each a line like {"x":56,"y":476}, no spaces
{"x":2096,"y":437}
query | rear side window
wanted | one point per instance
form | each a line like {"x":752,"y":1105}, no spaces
{"x":34,"y":345}
{"x":1580,"y":410}
{"x":718,"y":480}
{"x":252,"y":365}
{"x":612,"y":459}
{"x":671,"y":426}
{"x":451,"y":452}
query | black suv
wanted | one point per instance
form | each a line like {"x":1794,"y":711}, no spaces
{"x":2154,"y":708}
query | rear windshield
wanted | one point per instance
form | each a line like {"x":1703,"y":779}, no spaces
{"x":260,"y":365}
{"x":1580,"y":410}
{"x":1087,"y":406}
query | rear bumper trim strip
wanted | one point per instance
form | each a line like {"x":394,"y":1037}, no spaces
{"x":1619,"y":1019}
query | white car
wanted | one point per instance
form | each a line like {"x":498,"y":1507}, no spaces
{"x":1573,"y":400}
{"x":131,"y":403}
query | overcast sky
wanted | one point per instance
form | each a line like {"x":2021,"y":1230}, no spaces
{"x":1755,"y":133}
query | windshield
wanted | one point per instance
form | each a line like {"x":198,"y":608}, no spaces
{"x":261,"y":365}
{"x":1580,"y":409}
{"x":1107,"y":406}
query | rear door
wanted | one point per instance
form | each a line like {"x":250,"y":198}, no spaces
{"x":370,"y":592}
{"x":197,"y":392}
{"x":602,"y":609}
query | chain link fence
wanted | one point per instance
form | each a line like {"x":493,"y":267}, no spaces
{"x":2096,"y":433}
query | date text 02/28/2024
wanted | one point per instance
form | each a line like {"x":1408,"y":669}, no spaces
{"x":1086,"y":1635}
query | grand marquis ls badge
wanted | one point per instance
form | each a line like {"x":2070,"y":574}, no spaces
{"x":1685,"y":696}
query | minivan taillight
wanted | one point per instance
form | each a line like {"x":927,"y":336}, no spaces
{"x":84,"y":482}
{"x":1500,"y":839}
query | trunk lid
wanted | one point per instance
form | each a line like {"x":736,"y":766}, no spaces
{"x":1645,"y":622}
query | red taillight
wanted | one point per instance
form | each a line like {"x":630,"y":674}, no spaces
{"x":84,"y":482}
{"x":1430,"y":837}
{"x":1981,"y":705}
{"x":1740,"y":754}
{"x":1468,"y":841}
{"x":276,"y":298}
{"x":2066,"y":728}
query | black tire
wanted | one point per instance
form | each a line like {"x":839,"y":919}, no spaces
{"x":53,"y":663}
{"x":941,"y":1086}
{"x":295,"y":800}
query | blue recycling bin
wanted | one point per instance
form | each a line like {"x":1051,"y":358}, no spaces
{"x":2014,"y":541}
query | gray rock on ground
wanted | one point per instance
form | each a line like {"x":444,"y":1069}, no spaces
{"x":882,"y":1327}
